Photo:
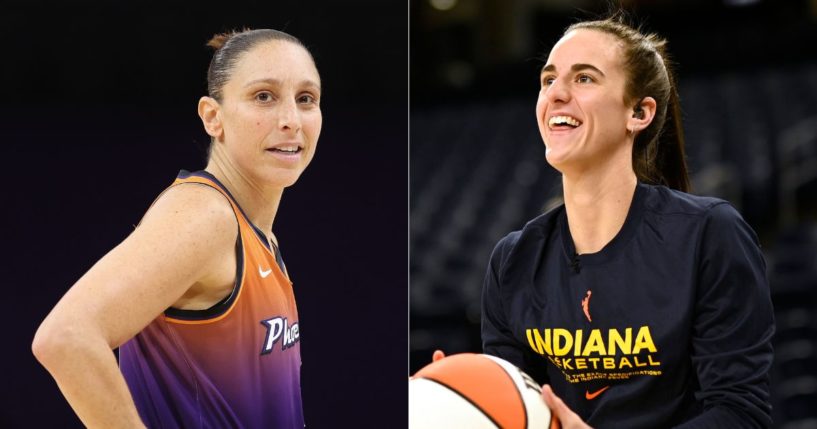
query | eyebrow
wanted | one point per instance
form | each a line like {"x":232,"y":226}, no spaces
{"x":270,"y":81}
{"x":574,"y":68}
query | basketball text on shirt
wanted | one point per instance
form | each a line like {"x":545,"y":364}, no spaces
{"x":597,"y":354}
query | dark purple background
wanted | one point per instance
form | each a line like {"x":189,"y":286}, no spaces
{"x":98,"y":114}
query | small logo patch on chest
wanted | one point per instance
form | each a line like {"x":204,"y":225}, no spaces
{"x":586,"y":306}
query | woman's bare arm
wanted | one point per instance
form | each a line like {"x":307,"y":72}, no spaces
{"x":179,"y":243}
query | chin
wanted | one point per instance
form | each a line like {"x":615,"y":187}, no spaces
{"x":555,"y":157}
{"x":280,"y":177}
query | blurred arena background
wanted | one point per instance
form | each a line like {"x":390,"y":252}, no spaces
{"x":748,"y":85}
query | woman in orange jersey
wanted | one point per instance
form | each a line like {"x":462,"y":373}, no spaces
{"x":198,"y":298}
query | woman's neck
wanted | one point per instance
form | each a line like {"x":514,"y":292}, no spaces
{"x":597,"y":204}
{"x":259,"y":201}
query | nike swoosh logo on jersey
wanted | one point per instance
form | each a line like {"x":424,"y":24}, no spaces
{"x":591,"y":396}
{"x":263,"y":273}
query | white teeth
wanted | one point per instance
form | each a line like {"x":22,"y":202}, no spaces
{"x":563,"y":120}
{"x":287,"y":149}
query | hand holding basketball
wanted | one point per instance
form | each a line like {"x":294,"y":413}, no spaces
{"x":561,"y":413}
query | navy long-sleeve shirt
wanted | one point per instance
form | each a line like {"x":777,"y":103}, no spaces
{"x":670,"y":324}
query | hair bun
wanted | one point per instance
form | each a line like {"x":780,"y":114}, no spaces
{"x":219,"y":40}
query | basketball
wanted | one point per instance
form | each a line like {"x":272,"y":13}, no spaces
{"x":475,"y":391}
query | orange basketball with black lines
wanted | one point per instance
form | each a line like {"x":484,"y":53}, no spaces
{"x":475,"y":391}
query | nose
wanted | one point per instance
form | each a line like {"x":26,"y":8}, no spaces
{"x":289,"y":117}
{"x":557,"y":92}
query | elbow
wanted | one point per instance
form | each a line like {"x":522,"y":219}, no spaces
{"x":54,"y":341}
{"x":45,"y":344}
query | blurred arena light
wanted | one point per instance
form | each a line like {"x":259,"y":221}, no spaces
{"x":443,"y":4}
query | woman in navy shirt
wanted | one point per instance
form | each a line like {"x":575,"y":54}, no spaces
{"x":637,"y":304}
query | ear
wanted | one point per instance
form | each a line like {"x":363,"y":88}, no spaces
{"x":642,"y":114}
{"x":209,"y":112}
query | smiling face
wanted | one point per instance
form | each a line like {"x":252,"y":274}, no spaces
{"x":269,"y":115}
{"x":581,"y":111}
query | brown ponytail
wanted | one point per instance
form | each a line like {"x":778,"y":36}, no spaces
{"x":670,"y":160}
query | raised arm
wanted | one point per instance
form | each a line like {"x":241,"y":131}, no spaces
{"x":182,"y":242}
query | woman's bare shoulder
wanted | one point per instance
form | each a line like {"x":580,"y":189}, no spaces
{"x":191,"y":204}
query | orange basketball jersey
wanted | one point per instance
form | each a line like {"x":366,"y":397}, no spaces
{"x":236,"y":364}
